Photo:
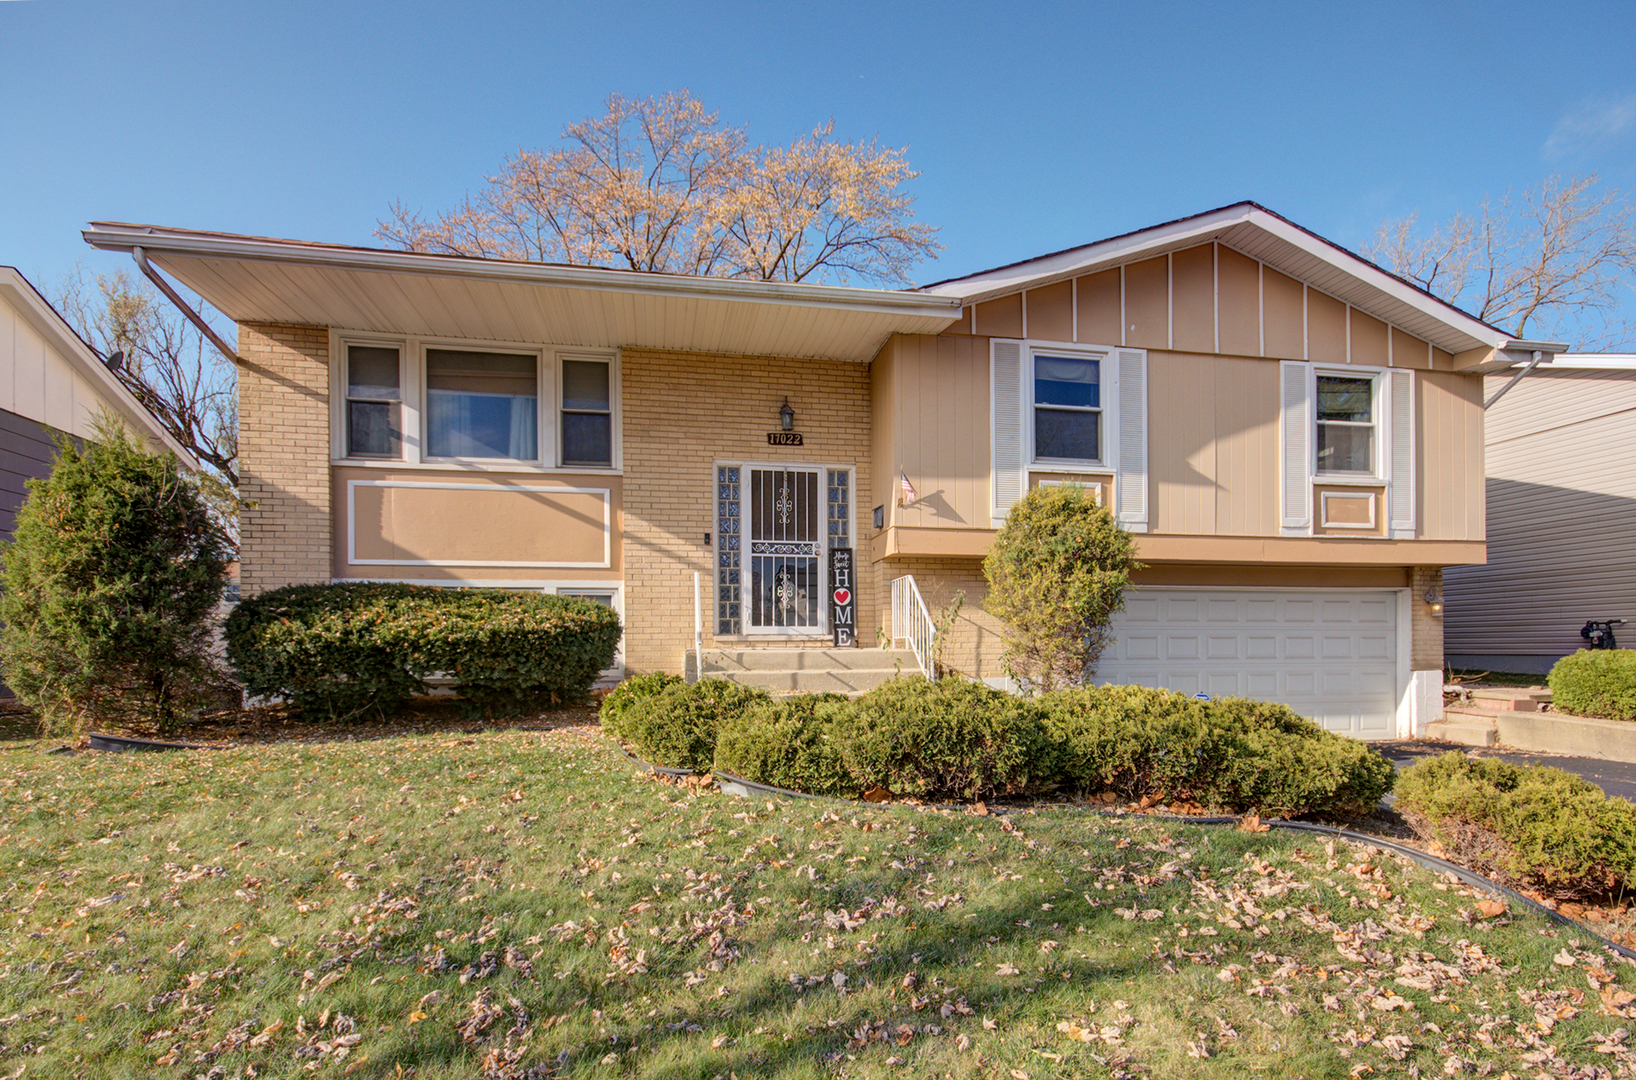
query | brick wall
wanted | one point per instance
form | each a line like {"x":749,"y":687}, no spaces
{"x":1425,"y":629}
{"x":974,"y":642}
{"x":683,"y":412}
{"x":284,"y":452}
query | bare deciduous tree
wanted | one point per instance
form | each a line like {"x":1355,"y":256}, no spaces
{"x":1560,"y":262}
{"x":190,"y":388}
{"x":658,"y":184}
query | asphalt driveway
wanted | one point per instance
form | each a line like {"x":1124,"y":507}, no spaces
{"x":1614,"y":777}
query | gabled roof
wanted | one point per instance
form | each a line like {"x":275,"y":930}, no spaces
{"x":27,"y":301}
{"x":259,"y":279}
{"x":1252,"y":230}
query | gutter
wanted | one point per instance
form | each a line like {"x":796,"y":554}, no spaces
{"x":1543,"y":352}
{"x":193,"y":317}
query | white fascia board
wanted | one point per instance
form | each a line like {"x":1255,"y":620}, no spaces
{"x":1077,"y":261}
{"x":107,"y":236}
{"x":27,"y":301}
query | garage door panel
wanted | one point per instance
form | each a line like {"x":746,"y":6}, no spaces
{"x":1327,"y":654}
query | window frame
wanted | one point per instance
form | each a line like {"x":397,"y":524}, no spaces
{"x":1107,"y":393}
{"x":561,"y":410}
{"x":412,"y":351}
{"x":345,"y":383}
{"x":1377,"y":425}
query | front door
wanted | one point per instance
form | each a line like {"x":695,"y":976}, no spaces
{"x":786,"y":510}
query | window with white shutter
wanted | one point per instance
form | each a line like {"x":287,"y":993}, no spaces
{"x":1130,"y":500}
{"x":1296,"y":426}
{"x":1400,"y":515}
{"x":1007,"y":437}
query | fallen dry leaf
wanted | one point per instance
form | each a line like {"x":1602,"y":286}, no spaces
{"x":1252,"y":823}
{"x":1491,"y":909}
{"x":877,"y":794}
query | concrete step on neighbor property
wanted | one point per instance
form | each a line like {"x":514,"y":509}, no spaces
{"x":808,"y":671}
{"x":1511,"y":699}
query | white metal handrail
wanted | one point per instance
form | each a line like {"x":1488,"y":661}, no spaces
{"x":913,"y":623}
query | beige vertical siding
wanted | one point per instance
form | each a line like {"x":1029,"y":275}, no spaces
{"x":1238,"y":279}
{"x":1326,"y":328}
{"x":1147,"y":304}
{"x":1449,"y":449}
{"x":1562,"y":517}
{"x":1193,"y":299}
{"x":1099,"y":308}
{"x":1368,"y":340}
{"x":1284,"y":319}
{"x":1001,"y":318}
{"x":939,"y":419}
{"x":883,"y":403}
{"x":1409,"y":351}
{"x":1051,"y":312}
{"x":1246,"y":437}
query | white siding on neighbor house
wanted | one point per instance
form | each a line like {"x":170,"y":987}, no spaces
{"x":1561,"y":520}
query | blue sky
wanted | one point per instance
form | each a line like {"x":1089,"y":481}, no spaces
{"x":1034,"y":127}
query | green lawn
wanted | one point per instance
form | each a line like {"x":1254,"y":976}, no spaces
{"x":516,"y":904}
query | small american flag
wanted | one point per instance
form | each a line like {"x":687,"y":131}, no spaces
{"x":909,"y":495}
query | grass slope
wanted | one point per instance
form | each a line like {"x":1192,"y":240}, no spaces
{"x":518,"y":904}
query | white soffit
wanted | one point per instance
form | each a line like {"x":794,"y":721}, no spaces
{"x":1263,"y":235}
{"x":251,"y":279}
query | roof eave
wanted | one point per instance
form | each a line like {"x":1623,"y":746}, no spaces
{"x":115,"y":236}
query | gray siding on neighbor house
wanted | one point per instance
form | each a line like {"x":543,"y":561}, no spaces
{"x":1561,"y":522}
{"x":26,"y":451}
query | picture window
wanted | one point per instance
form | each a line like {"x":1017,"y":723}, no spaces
{"x":482,"y":405}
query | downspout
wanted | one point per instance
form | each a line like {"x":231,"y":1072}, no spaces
{"x":196,"y":319}
{"x":1539,"y":357}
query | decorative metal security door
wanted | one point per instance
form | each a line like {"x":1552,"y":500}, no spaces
{"x":786,"y":551}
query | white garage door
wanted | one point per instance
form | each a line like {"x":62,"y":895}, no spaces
{"x":1328,"y":655}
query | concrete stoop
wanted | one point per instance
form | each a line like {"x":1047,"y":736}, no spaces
{"x":1515,"y":720}
{"x":801,"y":670}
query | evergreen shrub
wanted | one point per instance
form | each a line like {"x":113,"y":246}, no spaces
{"x":346,"y":649}
{"x":1526,"y":825}
{"x":793,"y":744}
{"x":113,"y":571}
{"x":1595,"y":682}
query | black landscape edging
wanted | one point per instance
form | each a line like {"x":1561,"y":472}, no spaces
{"x":1429,"y":862}
{"x":118,"y":744}
{"x":659,"y":770}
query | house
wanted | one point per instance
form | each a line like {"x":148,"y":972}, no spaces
{"x":53,"y":384}
{"x":1561,"y":517}
{"x":1295,"y":435}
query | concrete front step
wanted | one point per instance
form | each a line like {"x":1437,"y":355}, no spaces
{"x":797,"y":670}
{"x":723,"y":661}
{"x":1467,"y":731}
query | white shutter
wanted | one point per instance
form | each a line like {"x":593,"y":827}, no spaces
{"x":1130,"y":484}
{"x":1295,"y":383}
{"x":1400,"y":418}
{"x":1008,"y":437}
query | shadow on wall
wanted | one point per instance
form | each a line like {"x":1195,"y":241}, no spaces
{"x":1556,"y":558}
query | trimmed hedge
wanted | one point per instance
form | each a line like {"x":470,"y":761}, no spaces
{"x":1595,"y":682}
{"x":793,"y":744}
{"x":676,"y":724}
{"x":957,"y":739}
{"x":1528,"y":825}
{"x":345,"y":649}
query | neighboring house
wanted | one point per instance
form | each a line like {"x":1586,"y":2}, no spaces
{"x":1561,"y":519}
{"x":1294,"y":434}
{"x":52,"y":384}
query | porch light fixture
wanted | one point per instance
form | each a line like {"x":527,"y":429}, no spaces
{"x":1434,"y":600}
{"x":786,"y":416}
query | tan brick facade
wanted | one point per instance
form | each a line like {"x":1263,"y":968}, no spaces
{"x":682,"y":413}
{"x":1425,"y":628}
{"x":284,"y":448}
